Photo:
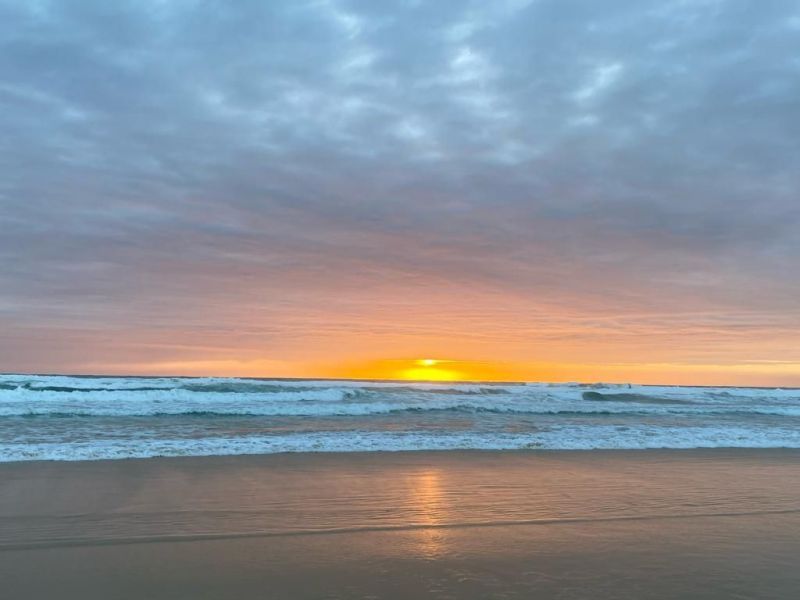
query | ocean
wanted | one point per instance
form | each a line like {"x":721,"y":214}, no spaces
{"x":57,"y":417}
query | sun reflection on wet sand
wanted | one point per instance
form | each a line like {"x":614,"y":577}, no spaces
{"x":431,"y":507}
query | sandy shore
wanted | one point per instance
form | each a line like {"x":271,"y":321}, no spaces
{"x":625,"y":524}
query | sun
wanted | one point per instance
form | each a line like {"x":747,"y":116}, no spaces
{"x":430,"y":369}
{"x":427,"y":367}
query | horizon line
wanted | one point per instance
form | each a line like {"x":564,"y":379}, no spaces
{"x":428,"y":381}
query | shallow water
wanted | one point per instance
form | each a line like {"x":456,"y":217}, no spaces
{"x":291,"y":494}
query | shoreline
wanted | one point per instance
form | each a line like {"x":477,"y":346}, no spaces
{"x":454,"y":451}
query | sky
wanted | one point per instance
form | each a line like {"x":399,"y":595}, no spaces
{"x":521,"y":189}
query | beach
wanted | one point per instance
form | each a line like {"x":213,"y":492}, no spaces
{"x":711,"y":523}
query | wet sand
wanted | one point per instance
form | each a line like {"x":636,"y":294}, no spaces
{"x":625,"y":524}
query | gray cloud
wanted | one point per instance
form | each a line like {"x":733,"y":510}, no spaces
{"x":540,"y":163}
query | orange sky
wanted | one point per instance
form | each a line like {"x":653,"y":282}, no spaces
{"x":475,"y":332}
{"x":382,"y":333}
{"x":755,"y":374}
{"x":582,"y":357}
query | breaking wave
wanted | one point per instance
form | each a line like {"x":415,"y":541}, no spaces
{"x":46,"y":417}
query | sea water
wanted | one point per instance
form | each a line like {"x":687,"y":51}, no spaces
{"x":85,"y":418}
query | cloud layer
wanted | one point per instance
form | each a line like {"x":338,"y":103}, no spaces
{"x":306,"y":182}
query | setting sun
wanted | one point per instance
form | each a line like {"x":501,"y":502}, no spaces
{"x":427,"y":369}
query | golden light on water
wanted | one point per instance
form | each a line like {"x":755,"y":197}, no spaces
{"x":429,"y":502}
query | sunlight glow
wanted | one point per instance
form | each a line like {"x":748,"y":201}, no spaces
{"x":430,"y":504}
{"x":431,"y":374}
{"x":426,"y":369}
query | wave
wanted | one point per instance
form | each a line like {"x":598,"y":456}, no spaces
{"x":638,"y":398}
{"x":74,"y":418}
{"x":240,"y":384}
{"x":69,"y":390}
{"x":333,"y":398}
{"x":219,"y":385}
{"x":464,"y":409}
{"x":379,"y":409}
{"x":569,"y":438}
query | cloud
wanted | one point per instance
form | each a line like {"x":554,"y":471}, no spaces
{"x":298,"y":169}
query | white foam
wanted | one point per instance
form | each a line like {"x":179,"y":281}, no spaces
{"x":335,"y":399}
{"x":549,"y":416}
{"x":570,"y":438}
